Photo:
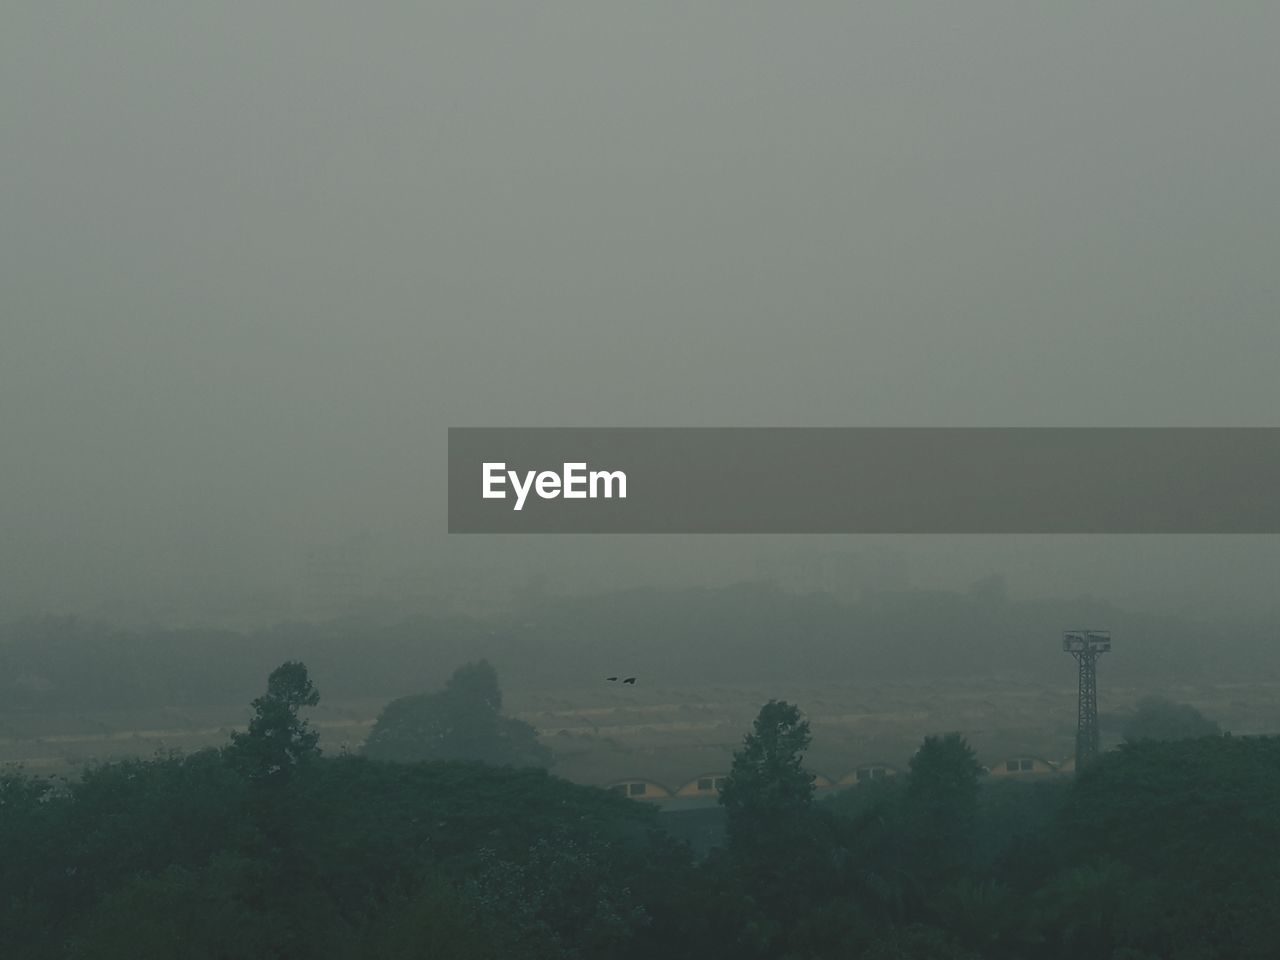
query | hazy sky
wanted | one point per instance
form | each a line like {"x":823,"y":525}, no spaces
{"x":256,"y":258}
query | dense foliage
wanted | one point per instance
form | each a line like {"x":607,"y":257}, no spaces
{"x":1157,"y":850}
{"x":463,"y":721}
{"x":1159,"y":719}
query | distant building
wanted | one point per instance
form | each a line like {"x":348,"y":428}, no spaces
{"x":706,"y":785}
{"x":822,"y":783}
{"x":1022,"y":767}
{"x":641,"y":789}
{"x":710,"y":785}
{"x":866,"y":773}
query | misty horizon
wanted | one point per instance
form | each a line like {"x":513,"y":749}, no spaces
{"x":252,"y":268}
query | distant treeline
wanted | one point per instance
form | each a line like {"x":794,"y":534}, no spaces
{"x":739,"y":634}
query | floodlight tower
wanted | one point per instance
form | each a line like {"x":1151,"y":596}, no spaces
{"x":1086,"y":646}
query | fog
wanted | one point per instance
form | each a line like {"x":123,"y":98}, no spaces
{"x":255,"y":260}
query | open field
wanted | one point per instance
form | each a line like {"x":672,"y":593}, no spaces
{"x":671,"y":734}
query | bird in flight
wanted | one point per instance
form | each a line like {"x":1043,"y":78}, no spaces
{"x":630,"y":680}
{"x":611,"y":678}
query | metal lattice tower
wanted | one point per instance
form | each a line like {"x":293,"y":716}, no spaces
{"x":1086,"y":646}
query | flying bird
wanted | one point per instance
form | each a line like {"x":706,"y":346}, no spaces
{"x":630,"y":680}
{"x":611,"y":678}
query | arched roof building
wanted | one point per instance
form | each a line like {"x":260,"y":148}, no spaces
{"x":1022,"y":767}
{"x":704,"y":785}
{"x":640,"y":789}
{"x":867,"y":772}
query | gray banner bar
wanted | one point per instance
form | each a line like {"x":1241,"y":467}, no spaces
{"x":865,"y":480}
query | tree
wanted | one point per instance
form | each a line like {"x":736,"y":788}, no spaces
{"x":432,"y":922}
{"x":1159,"y":719}
{"x":917,"y":942}
{"x":768,"y":791}
{"x":777,"y":850}
{"x":1194,"y":824}
{"x":942,"y":802}
{"x":278,"y":739}
{"x":461,"y":722}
